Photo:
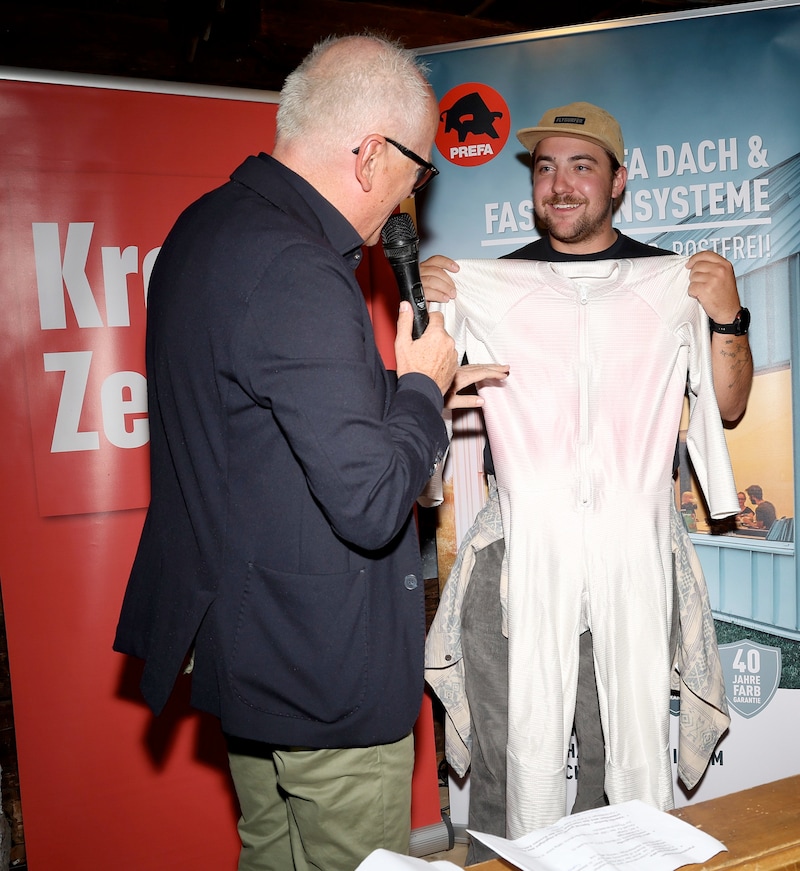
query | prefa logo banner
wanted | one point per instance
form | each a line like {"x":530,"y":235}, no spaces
{"x":474,"y":123}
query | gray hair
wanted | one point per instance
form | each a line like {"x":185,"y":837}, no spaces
{"x":350,"y":86}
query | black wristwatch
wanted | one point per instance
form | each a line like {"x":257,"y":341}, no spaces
{"x":739,"y":327}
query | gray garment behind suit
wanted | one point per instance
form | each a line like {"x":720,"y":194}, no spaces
{"x":486,"y":677}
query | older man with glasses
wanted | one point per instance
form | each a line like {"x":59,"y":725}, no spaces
{"x":279,"y":557}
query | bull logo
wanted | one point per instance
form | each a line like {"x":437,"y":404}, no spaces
{"x":470,"y":115}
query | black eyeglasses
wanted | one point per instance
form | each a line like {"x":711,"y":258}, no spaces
{"x":426,"y":169}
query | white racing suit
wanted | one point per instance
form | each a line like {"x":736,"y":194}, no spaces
{"x":583,"y":437}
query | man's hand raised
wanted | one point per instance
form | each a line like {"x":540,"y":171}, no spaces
{"x":433,"y":353}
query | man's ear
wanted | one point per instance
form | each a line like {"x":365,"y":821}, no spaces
{"x":618,"y":184}
{"x":370,"y":151}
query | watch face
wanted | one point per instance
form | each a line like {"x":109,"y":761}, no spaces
{"x":742,"y":323}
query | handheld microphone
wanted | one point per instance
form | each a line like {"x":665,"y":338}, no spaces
{"x":401,"y":247}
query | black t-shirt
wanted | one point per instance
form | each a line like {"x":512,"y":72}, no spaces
{"x":541,"y":249}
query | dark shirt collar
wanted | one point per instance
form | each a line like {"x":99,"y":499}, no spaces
{"x":610,"y":253}
{"x":292,"y":194}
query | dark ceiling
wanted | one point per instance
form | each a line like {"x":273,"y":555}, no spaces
{"x":255,"y":43}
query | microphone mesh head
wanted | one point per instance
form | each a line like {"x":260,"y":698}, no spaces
{"x":399,"y":229}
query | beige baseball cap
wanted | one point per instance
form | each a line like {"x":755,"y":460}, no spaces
{"x":581,"y":120}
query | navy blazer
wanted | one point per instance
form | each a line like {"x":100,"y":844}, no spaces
{"x":280,"y":545}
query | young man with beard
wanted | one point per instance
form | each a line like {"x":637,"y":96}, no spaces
{"x":578,"y":179}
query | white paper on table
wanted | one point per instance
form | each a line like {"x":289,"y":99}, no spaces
{"x":631,"y":835}
{"x":385,"y":860}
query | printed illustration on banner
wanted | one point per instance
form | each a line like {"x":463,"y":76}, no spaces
{"x":752,"y":674}
{"x":474,"y":123}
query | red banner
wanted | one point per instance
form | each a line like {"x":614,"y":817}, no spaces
{"x":92,"y":177}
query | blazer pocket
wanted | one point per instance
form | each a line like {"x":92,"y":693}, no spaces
{"x":300,"y":648}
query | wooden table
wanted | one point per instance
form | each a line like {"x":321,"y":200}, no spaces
{"x":759,"y":826}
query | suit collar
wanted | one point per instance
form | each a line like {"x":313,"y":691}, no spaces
{"x":292,"y":194}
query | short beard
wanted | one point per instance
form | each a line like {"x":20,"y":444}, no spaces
{"x":583,"y":230}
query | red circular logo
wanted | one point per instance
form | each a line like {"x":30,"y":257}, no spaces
{"x":474,"y":124}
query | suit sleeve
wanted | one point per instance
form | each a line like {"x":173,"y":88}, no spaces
{"x":705,"y":439}
{"x":366,"y":447}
